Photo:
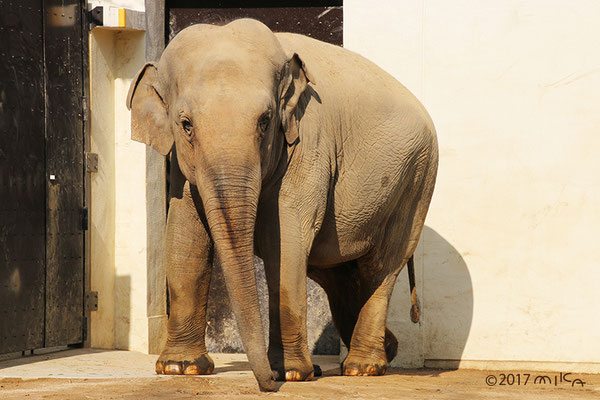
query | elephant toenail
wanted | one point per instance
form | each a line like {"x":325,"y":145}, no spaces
{"x":191,"y":370}
{"x":159,"y":368}
{"x":292,"y":376}
{"x":173,"y":369}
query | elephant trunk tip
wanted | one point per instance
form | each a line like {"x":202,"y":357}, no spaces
{"x":267,"y":385}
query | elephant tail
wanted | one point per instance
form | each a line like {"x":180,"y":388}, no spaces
{"x":414,"y":302}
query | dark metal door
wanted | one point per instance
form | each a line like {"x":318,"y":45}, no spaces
{"x":323,"y":20}
{"x":22,"y":177}
{"x":41,"y":174}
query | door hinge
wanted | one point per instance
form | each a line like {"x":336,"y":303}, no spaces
{"x":84,"y":219}
{"x":91,"y":162}
{"x":91,"y":301}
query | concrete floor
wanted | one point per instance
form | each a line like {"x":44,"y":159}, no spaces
{"x":117,"y":364}
{"x":79,"y":374}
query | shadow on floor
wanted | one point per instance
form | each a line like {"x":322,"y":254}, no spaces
{"x":17,"y":359}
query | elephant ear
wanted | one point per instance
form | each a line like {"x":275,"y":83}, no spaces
{"x":294,"y":81}
{"x":149,"y":119}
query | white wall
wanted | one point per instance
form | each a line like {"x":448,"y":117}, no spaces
{"x":508,"y":255}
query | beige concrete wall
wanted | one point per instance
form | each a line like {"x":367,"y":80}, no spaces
{"x":508,"y":256}
{"x":131,"y":326}
{"x":118,"y":214}
{"x":102,"y":202}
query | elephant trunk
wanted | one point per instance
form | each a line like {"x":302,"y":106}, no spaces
{"x":230,"y":202}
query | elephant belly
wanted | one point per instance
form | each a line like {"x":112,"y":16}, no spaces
{"x":358,"y":218}
{"x":327,"y":250}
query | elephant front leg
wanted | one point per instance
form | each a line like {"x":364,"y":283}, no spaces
{"x":188,"y":268}
{"x":285,"y":267}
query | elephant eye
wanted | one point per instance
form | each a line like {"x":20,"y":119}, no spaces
{"x":264,"y":120}
{"x":187,"y":127}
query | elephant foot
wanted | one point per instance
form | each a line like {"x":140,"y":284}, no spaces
{"x":297,"y":373}
{"x":364,"y":369}
{"x":361,"y":367}
{"x":293,"y":375}
{"x":178,"y":364}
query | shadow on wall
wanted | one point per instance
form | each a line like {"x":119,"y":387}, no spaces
{"x":222,"y":334}
{"x":447,"y":302}
{"x":122,"y":311}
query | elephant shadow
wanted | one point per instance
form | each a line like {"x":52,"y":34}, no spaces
{"x":446,"y":302}
{"x":448,"y":292}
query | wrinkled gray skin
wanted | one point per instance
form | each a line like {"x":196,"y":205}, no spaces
{"x":299,"y":151}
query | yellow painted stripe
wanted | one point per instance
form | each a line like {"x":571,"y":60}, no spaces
{"x":122,"y":19}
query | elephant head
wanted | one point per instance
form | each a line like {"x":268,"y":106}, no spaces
{"x":226,"y":98}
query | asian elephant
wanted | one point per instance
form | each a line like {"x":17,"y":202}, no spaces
{"x":303,"y":153}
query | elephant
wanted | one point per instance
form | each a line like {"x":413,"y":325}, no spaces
{"x":303,"y":153}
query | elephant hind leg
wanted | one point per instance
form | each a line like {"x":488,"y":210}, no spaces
{"x":347,"y":296}
{"x":372,"y":345}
